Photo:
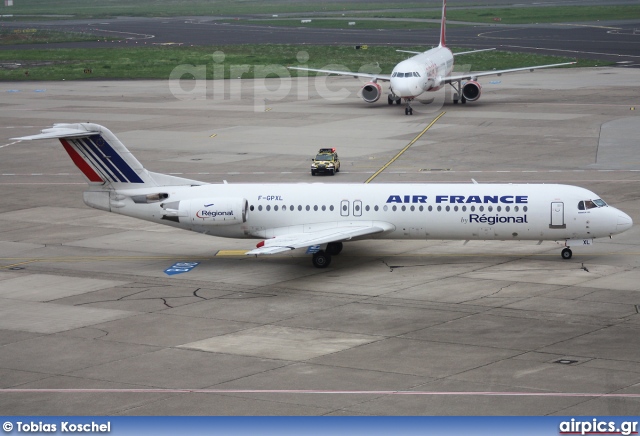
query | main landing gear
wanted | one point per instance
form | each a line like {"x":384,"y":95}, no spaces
{"x":391,"y":98}
{"x":322,"y":258}
{"x":457,"y":95}
{"x":566,"y":253}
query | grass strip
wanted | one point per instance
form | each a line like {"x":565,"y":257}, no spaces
{"x":234,"y":61}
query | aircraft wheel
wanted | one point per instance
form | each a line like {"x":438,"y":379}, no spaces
{"x":406,"y":111}
{"x":389,"y":99}
{"x":334,"y":248}
{"x":398,"y":101}
{"x":566,"y":253}
{"x":455,"y":101}
{"x":463,"y":100}
{"x":410,"y":111}
{"x":321,"y":259}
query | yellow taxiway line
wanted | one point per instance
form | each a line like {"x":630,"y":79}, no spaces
{"x":404,"y":149}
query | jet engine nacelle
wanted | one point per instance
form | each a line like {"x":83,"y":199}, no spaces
{"x":471,"y":90}
{"x":371,"y":92}
{"x":208,"y":211}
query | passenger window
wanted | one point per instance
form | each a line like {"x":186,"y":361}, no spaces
{"x":394,"y":208}
{"x":324,"y":208}
{"x":268,"y":208}
{"x":275,"y":207}
{"x":375,"y":208}
{"x":439,"y":208}
{"x":251,"y":208}
{"x":331,"y":208}
{"x":308,"y":208}
{"x":404,"y":208}
{"x":260,"y":208}
{"x":315,"y":208}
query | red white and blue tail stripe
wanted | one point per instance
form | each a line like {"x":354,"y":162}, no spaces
{"x":98,"y":161}
{"x":101,"y":157}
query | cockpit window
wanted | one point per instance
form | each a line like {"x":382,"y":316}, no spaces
{"x":600,"y":203}
{"x":588,"y":204}
{"x":394,"y":74}
{"x":416,"y":74}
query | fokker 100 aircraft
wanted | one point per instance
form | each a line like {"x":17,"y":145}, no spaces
{"x":321,"y":217}
{"x":425,"y":72}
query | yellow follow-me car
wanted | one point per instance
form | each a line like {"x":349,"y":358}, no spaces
{"x":326,"y":161}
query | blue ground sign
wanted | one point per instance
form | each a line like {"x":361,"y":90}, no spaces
{"x":180,"y":267}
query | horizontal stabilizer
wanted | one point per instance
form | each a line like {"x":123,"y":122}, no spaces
{"x":60,"y":131}
{"x":472,"y":51}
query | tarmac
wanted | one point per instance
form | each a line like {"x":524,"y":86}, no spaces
{"x":90,"y":324}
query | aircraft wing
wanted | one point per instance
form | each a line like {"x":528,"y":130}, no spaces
{"x":383,"y":77}
{"x":334,"y":234}
{"x":473,"y":76}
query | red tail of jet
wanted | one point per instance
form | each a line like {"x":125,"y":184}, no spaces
{"x":443,"y":24}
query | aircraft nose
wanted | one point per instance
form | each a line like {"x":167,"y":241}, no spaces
{"x":624,"y":222}
{"x":402,"y":88}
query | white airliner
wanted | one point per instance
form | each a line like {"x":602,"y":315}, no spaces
{"x":426,"y":72}
{"x":321,"y":217}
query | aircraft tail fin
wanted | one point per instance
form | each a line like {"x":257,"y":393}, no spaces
{"x":443,"y":25}
{"x":103,"y":159}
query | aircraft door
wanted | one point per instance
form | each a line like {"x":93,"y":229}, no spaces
{"x":557,"y":216}
{"x":344,"y":208}
{"x":357,"y":208}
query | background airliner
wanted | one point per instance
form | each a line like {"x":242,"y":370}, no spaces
{"x":312,"y":216}
{"x":426,"y":72}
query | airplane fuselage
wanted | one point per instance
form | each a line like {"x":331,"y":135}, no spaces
{"x":422,"y":73}
{"x":405,"y":211}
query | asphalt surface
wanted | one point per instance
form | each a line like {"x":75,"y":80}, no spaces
{"x":617,"y":41}
{"x":91,"y":324}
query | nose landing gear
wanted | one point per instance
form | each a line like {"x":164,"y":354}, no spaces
{"x":408,"y":110}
